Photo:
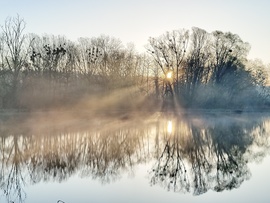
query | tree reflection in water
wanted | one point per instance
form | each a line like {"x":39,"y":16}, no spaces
{"x":203,"y":154}
{"x":12,"y":177}
{"x":192,"y":154}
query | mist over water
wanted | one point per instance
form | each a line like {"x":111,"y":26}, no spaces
{"x":185,"y":153}
{"x":186,"y":117}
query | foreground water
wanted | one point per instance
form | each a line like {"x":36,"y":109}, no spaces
{"x":157,"y":158}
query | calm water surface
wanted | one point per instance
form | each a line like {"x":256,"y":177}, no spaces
{"x":157,"y":158}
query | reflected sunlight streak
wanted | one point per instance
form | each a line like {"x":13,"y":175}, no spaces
{"x":169,"y":127}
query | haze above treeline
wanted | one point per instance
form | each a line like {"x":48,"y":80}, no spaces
{"x":180,"y":68}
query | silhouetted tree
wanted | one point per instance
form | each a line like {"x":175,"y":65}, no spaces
{"x":196,"y":70}
{"x":168,"y":52}
{"x":229,"y":50}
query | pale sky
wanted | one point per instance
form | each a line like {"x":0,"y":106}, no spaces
{"x":136,"y":21}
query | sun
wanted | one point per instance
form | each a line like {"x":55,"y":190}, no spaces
{"x":169,"y":75}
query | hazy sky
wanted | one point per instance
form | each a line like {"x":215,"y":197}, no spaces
{"x":136,"y":21}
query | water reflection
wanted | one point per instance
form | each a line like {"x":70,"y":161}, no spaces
{"x":199,"y":155}
{"x":191,"y":154}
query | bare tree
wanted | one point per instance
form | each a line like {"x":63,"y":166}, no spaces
{"x":197,"y":63}
{"x":168,"y":52}
{"x":229,"y":50}
{"x":88,"y":60}
{"x":16,"y":52}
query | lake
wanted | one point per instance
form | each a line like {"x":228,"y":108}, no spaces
{"x":184,"y":157}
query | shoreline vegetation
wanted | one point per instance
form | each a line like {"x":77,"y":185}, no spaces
{"x":181,"y":71}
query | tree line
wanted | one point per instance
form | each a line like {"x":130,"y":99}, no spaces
{"x":206,"y":69}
